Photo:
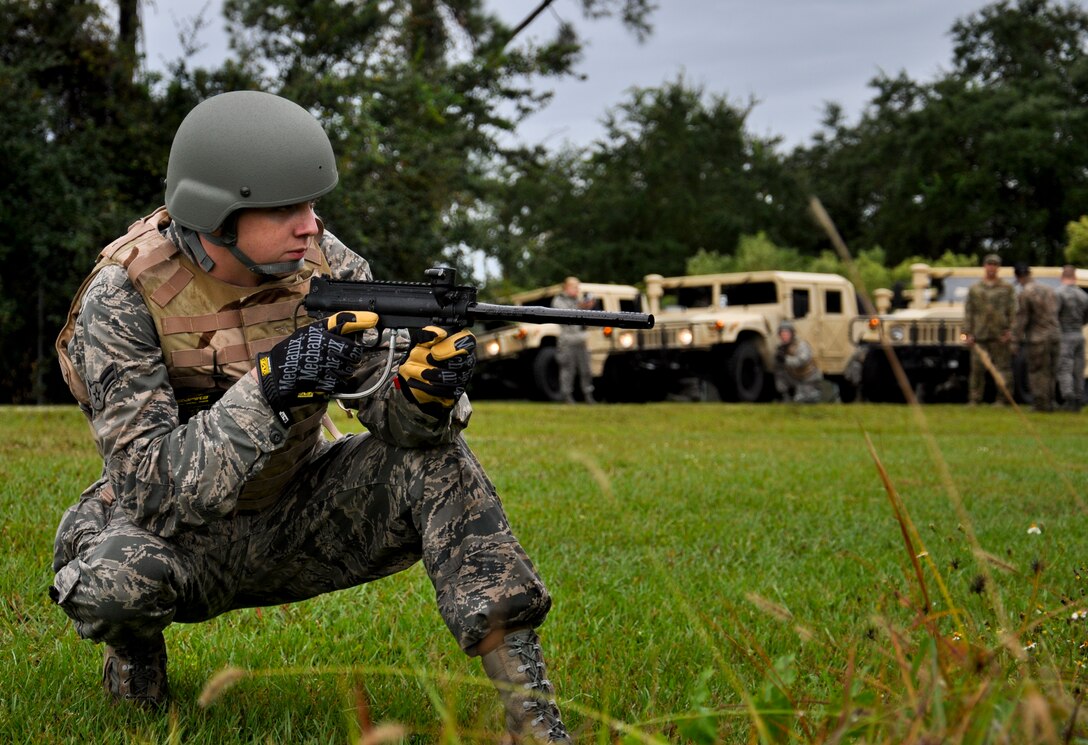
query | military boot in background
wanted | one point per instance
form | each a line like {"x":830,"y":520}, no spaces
{"x":516,"y":667}
{"x":136,"y":672}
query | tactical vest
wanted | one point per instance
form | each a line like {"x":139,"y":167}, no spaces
{"x":210,"y":333}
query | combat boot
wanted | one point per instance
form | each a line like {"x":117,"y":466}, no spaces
{"x":136,"y":672}
{"x":516,"y":667}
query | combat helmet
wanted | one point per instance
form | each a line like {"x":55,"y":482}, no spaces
{"x":244,"y":149}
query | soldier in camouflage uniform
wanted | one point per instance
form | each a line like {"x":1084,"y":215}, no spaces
{"x":1072,"y":317}
{"x":219,"y":490}
{"x":1036,"y":332}
{"x":987,"y":325}
{"x":572,"y":351}
{"x":797,"y":378}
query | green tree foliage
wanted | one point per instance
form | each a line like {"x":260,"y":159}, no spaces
{"x":675,"y":174}
{"x":415,"y":94}
{"x":1076,"y":247}
{"x":989,"y":157}
{"x":753,"y":252}
{"x":80,"y":153}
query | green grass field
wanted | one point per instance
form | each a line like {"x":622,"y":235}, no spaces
{"x":721,"y":573}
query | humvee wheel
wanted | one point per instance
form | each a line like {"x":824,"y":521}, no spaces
{"x":745,"y":374}
{"x":546,"y":376}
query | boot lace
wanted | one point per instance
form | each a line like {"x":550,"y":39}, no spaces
{"x":540,"y":702}
{"x":137,"y":672}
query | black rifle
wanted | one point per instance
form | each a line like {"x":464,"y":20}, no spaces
{"x":413,"y":305}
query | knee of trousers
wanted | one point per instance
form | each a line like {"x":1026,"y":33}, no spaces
{"x":494,"y":586}
{"x":122,"y":588}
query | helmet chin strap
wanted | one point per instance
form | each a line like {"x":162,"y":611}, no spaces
{"x":229,"y":241}
{"x":192,"y":240}
{"x":278,"y":269}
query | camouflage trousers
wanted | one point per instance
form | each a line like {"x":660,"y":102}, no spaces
{"x":810,"y":390}
{"x":1042,"y":365}
{"x":573,"y":360}
{"x":360,"y":511}
{"x":1001,"y":356}
{"x":1071,"y":367}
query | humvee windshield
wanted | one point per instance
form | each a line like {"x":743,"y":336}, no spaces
{"x":694,"y":297}
{"x":732,"y":295}
{"x":749,"y":293}
{"x":954,"y":289}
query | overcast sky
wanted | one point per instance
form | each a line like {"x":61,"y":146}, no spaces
{"x":792,"y":56}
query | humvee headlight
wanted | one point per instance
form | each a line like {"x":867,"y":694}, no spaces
{"x":493,"y":348}
{"x":897,"y":333}
{"x":685,"y":337}
{"x":627,"y":340}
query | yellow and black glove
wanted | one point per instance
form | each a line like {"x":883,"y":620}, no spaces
{"x":312,"y":363}
{"x":438,"y":368}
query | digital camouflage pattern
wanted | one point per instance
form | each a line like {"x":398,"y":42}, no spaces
{"x":1037,"y":334}
{"x":796,"y":376}
{"x":160,"y":537}
{"x":988,"y":318}
{"x":1072,"y":317}
{"x":989,"y":310}
{"x":1036,"y":314}
{"x":572,"y":353}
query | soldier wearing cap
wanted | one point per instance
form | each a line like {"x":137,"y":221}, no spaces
{"x":206,"y":386}
{"x":987,"y":326}
{"x":1037,"y":334}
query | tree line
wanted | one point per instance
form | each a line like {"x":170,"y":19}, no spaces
{"x":417,"y":96}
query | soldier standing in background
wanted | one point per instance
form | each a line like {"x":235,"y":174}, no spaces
{"x":571,"y":351}
{"x":1072,"y":317}
{"x":206,"y":389}
{"x":987,"y":325}
{"x":1036,"y":332}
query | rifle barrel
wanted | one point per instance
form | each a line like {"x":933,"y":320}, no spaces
{"x":540,"y":314}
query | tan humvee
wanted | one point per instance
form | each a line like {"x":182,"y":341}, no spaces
{"x":715,"y":335}
{"x":924,"y":326}
{"x":518,"y":360}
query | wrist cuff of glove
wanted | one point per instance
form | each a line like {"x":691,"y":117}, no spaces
{"x":268,"y":388}
{"x":433,"y":408}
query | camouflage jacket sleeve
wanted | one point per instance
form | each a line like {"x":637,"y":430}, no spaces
{"x":798,"y":355}
{"x":166,"y":475}
{"x":1009,"y":307}
{"x":388,"y":414}
{"x":970,"y":309}
{"x":1025,"y":308}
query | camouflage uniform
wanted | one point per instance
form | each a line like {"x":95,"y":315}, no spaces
{"x":1037,"y":334}
{"x":1072,"y":317}
{"x":796,"y":376}
{"x":162,"y":536}
{"x":988,"y":318}
{"x":572,"y":354}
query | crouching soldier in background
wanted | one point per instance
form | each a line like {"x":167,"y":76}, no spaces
{"x":797,"y":378}
{"x":206,"y":386}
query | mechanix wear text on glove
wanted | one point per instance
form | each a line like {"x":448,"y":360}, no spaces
{"x":438,"y":368}
{"x":311,"y":363}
